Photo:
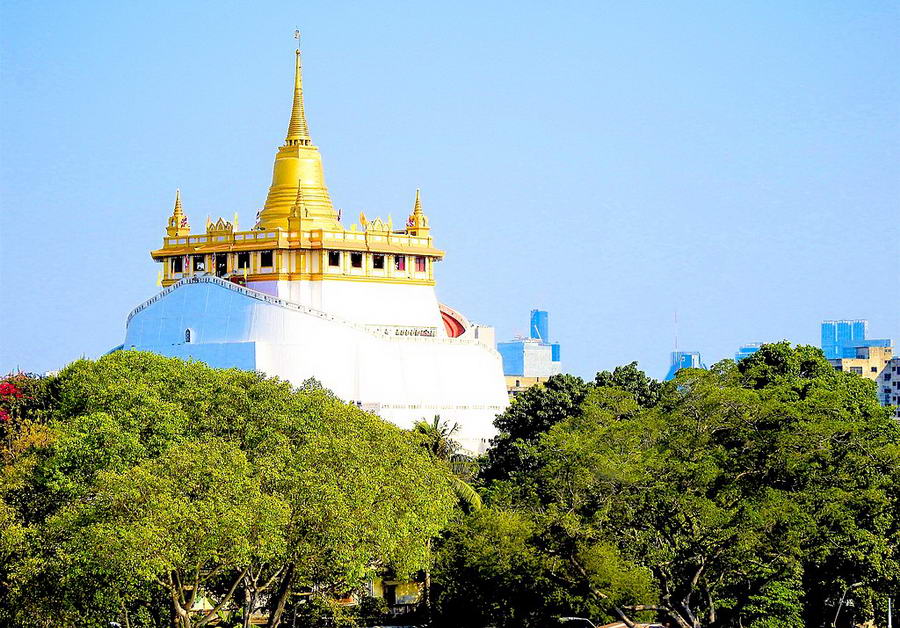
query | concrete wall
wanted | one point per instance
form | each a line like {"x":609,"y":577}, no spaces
{"x":400,"y":378}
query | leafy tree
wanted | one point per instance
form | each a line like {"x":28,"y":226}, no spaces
{"x":749,"y":495}
{"x":530,"y":415}
{"x":163,"y":481}
{"x":646,"y":390}
{"x":437,"y":438}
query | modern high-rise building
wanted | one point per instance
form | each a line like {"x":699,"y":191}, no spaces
{"x":840,"y":339}
{"x":528,"y":361}
{"x":298,"y":295}
{"x":684,"y":360}
{"x":540,"y":325}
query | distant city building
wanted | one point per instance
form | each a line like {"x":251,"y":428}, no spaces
{"x":872,"y":363}
{"x":848,"y":349}
{"x":747,"y":350}
{"x":528,"y":361}
{"x":840,"y":339}
{"x":889,"y":385}
{"x":684,"y":360}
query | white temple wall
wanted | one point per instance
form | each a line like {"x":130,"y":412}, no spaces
{"x":368,"y":303}
{"x":400,"y":378}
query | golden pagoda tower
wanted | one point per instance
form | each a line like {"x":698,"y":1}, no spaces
{"x":298,"y":160}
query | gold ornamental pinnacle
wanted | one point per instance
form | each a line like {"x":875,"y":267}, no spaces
{"x":298,"y":159}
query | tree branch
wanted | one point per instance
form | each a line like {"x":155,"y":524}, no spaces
{"x":225,"y":599}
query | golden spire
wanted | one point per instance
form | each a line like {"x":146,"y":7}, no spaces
{"x":178,"y":222}
{"x":298,"y":131}
{"x":298,"y":159}
{"x":418,"y":221}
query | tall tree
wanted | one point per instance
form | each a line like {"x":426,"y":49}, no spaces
{"x":630,"y":378}
{"x":530,"y":415}
{"x":163,"y":481}
{"x":754,"y":495}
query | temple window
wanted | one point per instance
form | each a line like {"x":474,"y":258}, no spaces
{"x":356,"y":260}
{"x":189,"y":335}
{"x":334,"y":258}
{"x":243,"y":260}
{"x":378,"y":261}
{"x":420,"y":263}
{"x":265,"y":259}
{"x":177,"y":264}
{"x":199,"y":263}
{"x":399,"y":262}
{"x":221,"y":264}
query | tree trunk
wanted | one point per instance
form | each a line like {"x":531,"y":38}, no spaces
{"x":248,"y":607}
{"x":276,"y":610}
{"x":427,"y":588}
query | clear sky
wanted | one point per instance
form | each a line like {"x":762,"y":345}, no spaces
{"x":612,"y":162}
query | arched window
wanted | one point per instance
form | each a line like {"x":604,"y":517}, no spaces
{"x":189,"y":335}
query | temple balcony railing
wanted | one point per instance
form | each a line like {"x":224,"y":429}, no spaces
{"x":317,"y":238}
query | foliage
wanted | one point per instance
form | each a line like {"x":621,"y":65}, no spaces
{"x":162,"y":483}
{"x":529,"y":415}
{"x":630,"y":378}
{"x":437,"y":438}
{"x":745,"y":495}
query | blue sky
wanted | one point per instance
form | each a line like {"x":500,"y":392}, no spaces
{"x":612,"y":162}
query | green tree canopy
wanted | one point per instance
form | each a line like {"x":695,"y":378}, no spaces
{"x":159,"y":482}
{"x":746,"y":495}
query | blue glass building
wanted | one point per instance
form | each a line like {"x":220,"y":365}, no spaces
{"x":684,"y":360}
{"x":534,"y":356}
{"x":841,"y":338}
{"x":540,"y":325}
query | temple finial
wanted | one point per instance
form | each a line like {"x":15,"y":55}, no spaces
{"x":418,"y":221}
{"x":299,"y":212}
{"x":298,"y":131}
{"x":178,"y":222}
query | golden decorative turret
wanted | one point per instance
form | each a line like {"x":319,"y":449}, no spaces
{"x":299,"y":213}
{"x":298,"y":160}
{"x":178,"y":222}
{"x":417,"y":224}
